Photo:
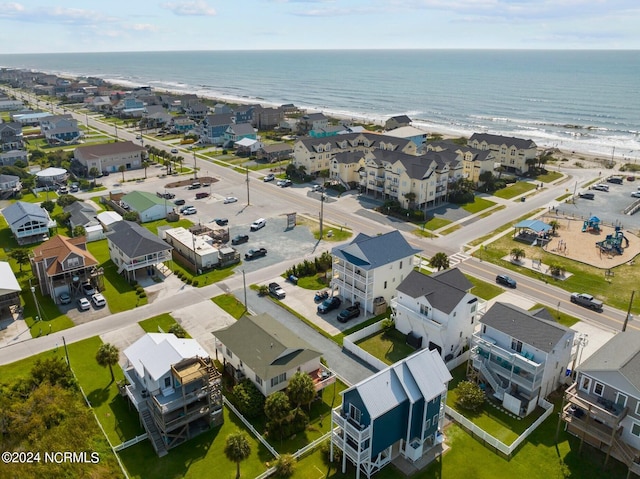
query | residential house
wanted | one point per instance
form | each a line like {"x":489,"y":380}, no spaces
{"x":211,"y":130}
{"x":108,"y":218}
{"x":109,"y":157}
{"x":83,"y":214}
{"x":398,"y":411}
{"x":275,"y":152}
{"x":222,"y":108}
{"x":60,"y":129}
{"x":155,"y":116}
{"x":182,"y":124}
{"x":62,"y":264}
{"x":52,"y":176}
{"x":267,"y":118}
{"x":268,"y":353}
{"x":312,"y":121}
{"x":236,"y":132}
{"x":602,"y":407}
{"x":11,"y":136}
{"x":331,"y":130}
{"x":514,"y":154}
{"x":416,"y":135}
{"x":9,"y":186}
{"x":100,"y":103}
{"x":9,"y":290}
{"x":149,"y":206}
{"x":521,"y":356}
{"x":370,"y":268}
{"x":174,"y":386}
{"x":437,"y":311}
{"x":6,"y":104}
{"x":133,"y":247}
{"x":397,"y":122}
{"x":244,"y":114}
{"x":130,"y":107}
{"x":10,"y":157}
{"x":200,"y":250}
{"x":474,"y":162}
{"x":196,"y":111}
{"x":247,"y":146}
{"x":346,"y":166}
{"x":29,"y":222}
{"x":31,"y":118}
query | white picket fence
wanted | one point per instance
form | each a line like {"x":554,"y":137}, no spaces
{"x":251,"y":428}
{"x":130,"y":442}
{"x":349,"y":343}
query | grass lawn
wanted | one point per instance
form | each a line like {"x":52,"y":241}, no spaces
{"x":161,"y":322}
{"x":41,"y":196}
{"x":230,"y":304}
{"x":390,"y":347}
{"x":478,"y":204}
{"x":549,"y":176}
{"x":514,"y":189}
{"x":424,"y":233}
{"x":436,"y":223}
{"x":330,"y":232}
{"x":202,"y":456}
{"x":209,"y":277}
{"x":314,"y":283}
{"x":483,"y":289}
{"x":563,"y":197}
{"x":450,"y":230}
{"x":118,"y":292}
{"x":564,"y":318}
{"x":505,"y":227}
{"x":154,"y":225}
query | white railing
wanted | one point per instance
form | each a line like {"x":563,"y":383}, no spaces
{"x":455,"y":362}
{"x":249,"y":426}
{"x":349,"y":344}
{"x":131,"y":442}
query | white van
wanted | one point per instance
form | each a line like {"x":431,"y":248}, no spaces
{"x":258,"y":224}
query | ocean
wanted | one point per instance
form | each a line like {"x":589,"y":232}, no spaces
{"x":586,"y":101}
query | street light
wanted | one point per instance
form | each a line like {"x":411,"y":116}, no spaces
{"x":321,"y":211}
{"x":628,"y":317}
{"x":33,"y":292}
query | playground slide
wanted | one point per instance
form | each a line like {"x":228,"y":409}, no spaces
{"x":617,"y":249}
{"x":584,"y":226}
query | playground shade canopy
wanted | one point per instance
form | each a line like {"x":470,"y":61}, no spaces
{"x":534,"y":225}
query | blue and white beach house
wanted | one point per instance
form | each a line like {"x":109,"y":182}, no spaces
{"x":397,"y":411}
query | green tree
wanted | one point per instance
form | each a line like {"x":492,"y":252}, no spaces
{"x":131,"y":216}
{"x":108,"y":355}
{"x":263,"y":290}
{"x":178,"y":330}
{"x":285,"y":465}
{"x":277,"y":409}
{"x":237,"y":449}
{"x":145,"y":165}
{"x":555,"y":226}
{"x":517,"y":254}
{"x":20,"y":256}
{"x":65,"y":200}
{"x":48,"y":205}
{"x":388,"y":325}
{"x":122,"y":169}
{"x":248,"y":398}
{"x":94,"y":172}
{"x":411,"y":198}
{"x":79,"y":230}
{"x":301,"y":389}
{"x":556,"y":269}
{"x":53,"y":370}
{"x":440,"y":261}
{"x":470,"y":396}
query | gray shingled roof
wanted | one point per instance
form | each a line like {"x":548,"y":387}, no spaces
{"x":370,"y":252}
{"x":242,"y":129}
{"x":522,"y":325}
{"x":620,"y":354}
{"x":265,"y":345}
{"x":117,"y":148}
{"x":21,"y":210}
{"x":519,"y":143}
{"x":374,"y":138}
{"x":81,"y":212}
{"x":135,"y":240}
{"x":348,"y":157}
{"x":440,"y":290}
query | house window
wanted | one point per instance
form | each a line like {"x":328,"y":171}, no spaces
{"x":385,"y":285}
{"x":229,"y":353}
{"x":585,"y":383}
{"x":400,"y":264}
{"x":424,"y":309}
{"x":638,"y":408}
{"x":621,"y":399}
{"x":427,"y":424}
{"x":472,"y":319}
{"x":259,"y":380}
{"x":355,"y":413}
{"x":484,"y":329}
{"x":434,"y":420}
{"x":167,"y":382}
{"x":598,"y":389}
{"x":278,"y":379}
{"x":635,"y":429}
{"x":516,"y":345}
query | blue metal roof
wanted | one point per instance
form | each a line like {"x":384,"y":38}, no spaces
{"x":535,"y":225}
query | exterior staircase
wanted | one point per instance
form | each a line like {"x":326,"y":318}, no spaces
{"x":153,"y":432}
{"x":499,"y":390}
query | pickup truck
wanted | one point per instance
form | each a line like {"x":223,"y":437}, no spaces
{"x":276,"y":290}
{"x":255,"y":253}
{"x":587,"y":301}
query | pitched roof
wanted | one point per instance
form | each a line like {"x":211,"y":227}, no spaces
{"x":142,"y":200}
{"x":135,"y":240}
{"x":242,"y":128}
{"x":522,"y":325}
{"x":97,"y":151}
{"x":81,"y":212}
{"x":421,"y":375}
{"x":374,"y":140}
{"x":620,"y":354}
{"x":265,"y":345}
{"x":509,"y":141}
{"x":21,"y":210}
{"x":59,"y":248}
{"x":370,"y":252}
{"x":444,"y":292}
{"x":157,"y":352}
{"x":348,"y":157}
{"x":401,"y":119}
{"x":277,"y":147}
{"x":8,"y":281}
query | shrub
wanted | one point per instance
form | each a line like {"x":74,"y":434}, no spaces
{"x":196,"y":282}
{"x":143,"y":295}
{"x":178,"y":330}
{"x":249,"y":399}
{"x":470,"y":396}
{"x":189,"y":281}
{"x":325,"y":451}
{"x":285,"y":465}
{"x":387,"y":325}
{"x":263,"y":290}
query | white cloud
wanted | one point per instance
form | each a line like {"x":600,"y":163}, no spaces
{"x":53,"y":15}
{"x":197,"y":7}
{"x":144,"y":27}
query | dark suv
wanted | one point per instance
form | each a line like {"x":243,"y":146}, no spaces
{"x":506,"y":280}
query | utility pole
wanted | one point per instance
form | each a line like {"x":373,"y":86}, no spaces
{"x":248,"y":202}
{"x":195,"y":166}
{"x":244,"y":284}
{"x":321,"y":211}
{"x":35,"y":300}
{"x":626,"y":320}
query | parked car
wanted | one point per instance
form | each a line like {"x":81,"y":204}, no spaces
{"x":255,"y":253}
{"x":190,"y":211}
{"x":88,"y":289}
{"x":258,"y":224}
{"x":286,"y":183}
{"x":587,"y":196}
{"x":329,"y":305}
{"x":321,"y":296}
{"x":240,"y":239}
{"x":506,"y":280}
{"x":587,"y":300}
{"x":269,"y":177}
{"x":201,"y":195}
{"x":185,"y":207}
{"x":221,"y":221}
{"x":174,"y":151}
{"x":600,"y":187}
{"x":276,"y":290}
{"x":98,"y":300}
{"x":74,"y":188}
{"x":631,"y":178}
{"x":194,"y":186}
{"x":83,"y":304}
{"x":317,"y":188}
{"x":230,"y":199}
{"x":349,"y":313}
{"x":635,"y":194}
{"x":179,"y":202}
{"x":64,"y":298}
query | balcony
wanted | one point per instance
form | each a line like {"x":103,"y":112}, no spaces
{"x":602,"y":411}
{"x":322,"y":377}
{"x":359,"y":432}
{"x":349,"y":447}
{"x":415,"y":315}
{"x":142,"y":263}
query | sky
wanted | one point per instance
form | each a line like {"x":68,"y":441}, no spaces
{"x":46,"y":26}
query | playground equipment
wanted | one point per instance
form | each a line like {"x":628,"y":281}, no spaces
{"x":613,"y":242}
{"x":591,"y":225}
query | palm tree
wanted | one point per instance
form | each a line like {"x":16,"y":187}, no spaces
{"x":301,"y":389}
{"x":555,"y":225}
{"x":122,"y":169}
{"x":145,"y":165}
{"x":237,"y":449}
{"x":517,"y":253}
{"x":20,"y":256}
{"x":440,"y":261}
{"x":93,"y":173}
{"x":411,"y":197}
{"x":277,"y":408}
{"x":108,"y":355}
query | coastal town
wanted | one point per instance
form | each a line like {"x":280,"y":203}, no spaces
{"x":253,"y":289}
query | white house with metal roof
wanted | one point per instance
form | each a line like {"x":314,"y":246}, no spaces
{"x":439,"y":310}
{"x":397,"y":411}
{"x":9,"y":289}
{"x":29,"y":222}
{"x":148,"y":205}
{"x":372,"y":267}
{"x":521,"y":356}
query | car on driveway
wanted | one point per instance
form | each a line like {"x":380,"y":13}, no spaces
{"x":239,"y":239}
{"x":84,"y":304}
{"x":88,"y":289}
{"x":349,"y":313}
{"x":64,"y":298}
{"x":329,"y":305}
{"x":221,"y":221}
{"x":286,"y":183}
{"x":255,"y":253}
{"x":230,"y":199}
{"x":98,"y":300}
{"x":269,"y":177}
{"x":505,"y":280}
